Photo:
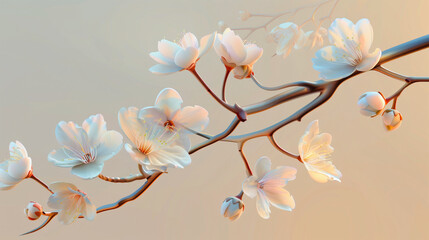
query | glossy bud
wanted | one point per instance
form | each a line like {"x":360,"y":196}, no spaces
{"x":33,"y":211}
{"x":232,"y":208}
{"x":392,"y":119}
{"x":371,"y":103}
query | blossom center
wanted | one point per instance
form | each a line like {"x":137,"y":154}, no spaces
{"x":146,"y":148}
{"x":88,"y":158}
{"x":169,"y":125}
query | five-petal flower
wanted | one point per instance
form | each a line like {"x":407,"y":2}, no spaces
{"x":267,"y":185}
{"x":287,"y":36}
{"x":71,"y":202}
{"x":16,"y":168}
{"x":85,"y":148}
{"x":315,"y":150}
{"x":350,"y":52}
{"x":168,"y":112}
{"x":155,"y":147}
{"x":235,"y":54}
{"x":173,"y":57}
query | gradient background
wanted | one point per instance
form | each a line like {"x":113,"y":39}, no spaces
{"x":69,"y":59}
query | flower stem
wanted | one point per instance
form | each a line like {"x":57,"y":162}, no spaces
{"x":41,"y":183}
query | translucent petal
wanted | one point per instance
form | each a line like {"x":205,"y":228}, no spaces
{"x":95,"y":127}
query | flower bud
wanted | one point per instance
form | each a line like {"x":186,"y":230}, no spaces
{"x":371,"y":103}
{"x":232,"y":208}
{"x":33,"y":211}
{"x":392,"y":119}
{"x":244,"y":15}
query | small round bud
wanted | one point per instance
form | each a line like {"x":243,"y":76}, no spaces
{"x":222,"y":26}
{"x":392,"y":119}
{"x":241,"y":72}
{"x":232,"y":208}
{"x":371,"y":103}
{"x":244,"y":15}
{"x":33,"y":211}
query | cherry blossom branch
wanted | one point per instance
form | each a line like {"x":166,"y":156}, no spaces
{"x":128,"y":179}
{"x":227,"y":72}
{"x":235,"y":109}
{"x":277,"y":146}
{"x":276,"y":16}
{"x":246,"y":163}
{"x":398,"y":76}
{"x":323,"y":88}
{"x":310,"y":85}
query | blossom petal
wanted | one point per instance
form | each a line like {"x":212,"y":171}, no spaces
{"x":195,"y":118}
{"x":89,"y":210}
{"x":130,"y":124}
{"x":234,"y":45}
{"x":279,"y":198}
{"x":17,"y":149}
{"x":262,"y":205}
{"x":169,"y":101}
{"x":110,"y":145}
{"x":262,"y":166}
{"x":135,"y":154}
{"x":153,"y":114}
{"x":206,"y":43}
{"x":186,"y":57}
{"x":189,"y":40}
{"x":221,"y":50}
{"x":71,"y":135}
{"x":6,"y":179}
{"x":365,"y":34}
{"x":61,"y":186}
{"x":161,"y":69}
{"x":161,"y":59}
{"x":253,"y":54}
{"x":19,"y":169}
{"x":170,"y":156}
{"x":95,"y":127}
{"x":250,"y":186}
{"x":279,"y":177}
{"x":168,"y":49}
{"x":369,"y":61}
{"x":61,"y":159}
{"x":323,"y":171}
{"x":340,"y":29}
{"x":89,"y":170}
{"x":330,"y":63}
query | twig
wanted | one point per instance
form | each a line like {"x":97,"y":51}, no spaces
{"x":40,"y":182}
{"x":277,"y":146}
{"x":128,"y":179}
{"x":246,"y":163}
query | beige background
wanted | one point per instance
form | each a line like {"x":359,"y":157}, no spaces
{"x":68,"y":59}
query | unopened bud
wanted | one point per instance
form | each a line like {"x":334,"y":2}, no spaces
{"x":371,"y":103}
{"x":392,"y":119}
{"x":244,"y":15}
{"x":33,"y":211}
{"x":232,"y":208}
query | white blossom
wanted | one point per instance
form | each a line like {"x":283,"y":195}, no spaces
{"x":315,"y":151}
{"x":71,"y":202}
{"x":86,"y":148}
{"x":350,"y":50}
{"x":154,"y":147}
{"x":168,"y":112}
{"x":16,"y":168}
{"x":173,"y":57}
{"x":287,"y":36}
{"x":267,"y":185}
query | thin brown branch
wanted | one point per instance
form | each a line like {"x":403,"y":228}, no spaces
{"x":41,"y":183}
{"x":128,"y":179}
{"x":282,"y":150}
{"x":243,"y":156}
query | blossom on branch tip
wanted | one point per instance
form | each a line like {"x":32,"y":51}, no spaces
{"x":71,"y":202}
{"x":235,"y":53}
{"x":315,"y":38}
{"x":287,"y":36}
{"x":173,"y":57}
{"x":86,"y":148}
{"x":392,"y":119}
{"x":232,"y":208}
{"x":267,"y":185}
{"x":155,"y":147}
{"x":168,"y":112}
{"x":33,"y":211}
{"x":315,"y":151}
{"x":350,"y":52}
{"x":16,"y":168}
{"x":371,"y":103}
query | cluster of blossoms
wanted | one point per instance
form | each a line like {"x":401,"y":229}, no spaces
{"x":159,"y":135}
